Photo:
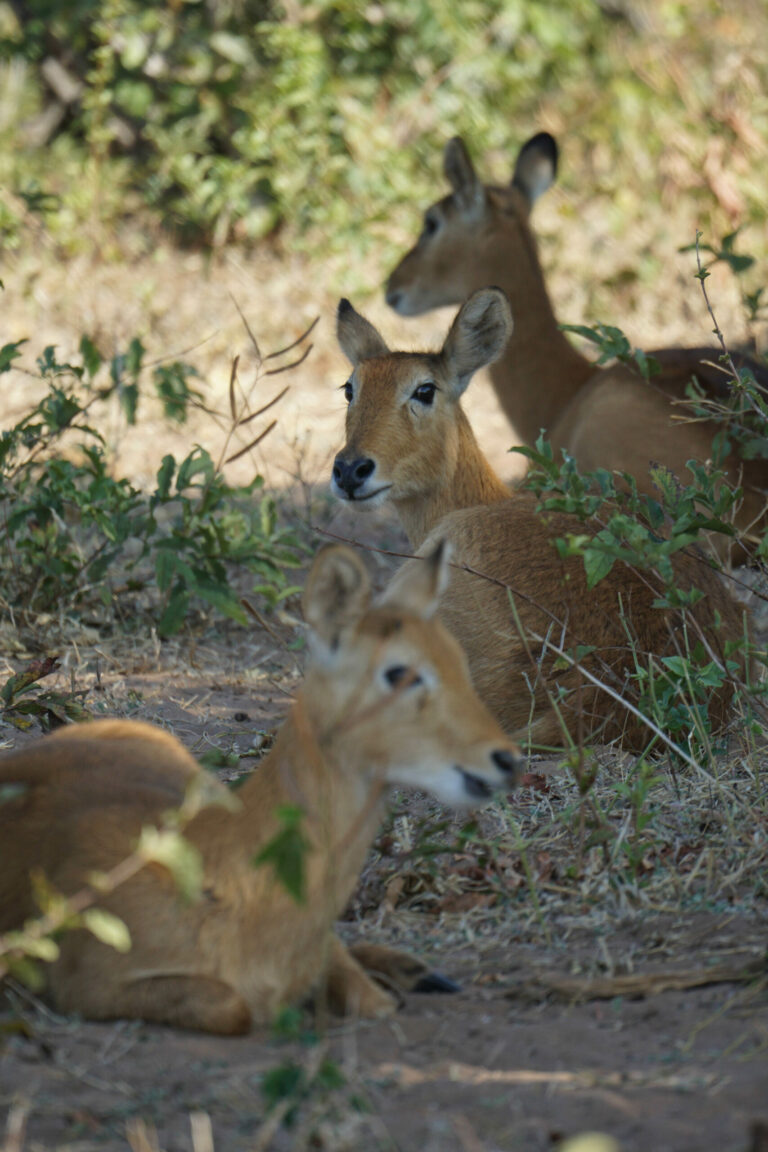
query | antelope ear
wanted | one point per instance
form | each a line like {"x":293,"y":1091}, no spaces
{"x":478,"y":335}
{"x":418,"y":585}
{"x":336,"y":594}
{"x":460,"y":174}
{"x":536,"y":166}
{"x":358,"y":339}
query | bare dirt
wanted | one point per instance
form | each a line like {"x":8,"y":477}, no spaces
{"x":505,"y":1063}
{"x":498,"y":1066}
{"x":483,"y":1068}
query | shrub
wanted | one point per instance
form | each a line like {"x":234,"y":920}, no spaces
{"x":76,"y":539}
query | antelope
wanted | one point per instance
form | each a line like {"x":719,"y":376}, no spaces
{"x":603,"y":417}
{"x":408,"y":442}
{"x":386,"y":700}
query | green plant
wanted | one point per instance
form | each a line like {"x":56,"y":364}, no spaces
{"x":739,"y":263}
{"x":628,"y":527}
{"x":238,"y":118}
{"x":75,"y":538}
{"x":22,"y":702}
{"x":288,"y":1085}
{"x":286,"y":852}
{"x":614,"y":345}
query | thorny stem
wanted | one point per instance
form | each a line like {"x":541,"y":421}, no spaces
{"x":701,"y":276}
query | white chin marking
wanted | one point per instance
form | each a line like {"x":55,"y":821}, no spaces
{"x":446,"y":785}
{"x":361,"y":501}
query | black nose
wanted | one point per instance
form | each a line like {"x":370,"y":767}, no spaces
{"x":393,"y":297}
{"x":510,"y":764}
{"x":352,"y":474}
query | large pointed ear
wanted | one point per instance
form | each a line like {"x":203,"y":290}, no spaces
{"x":478,"y":335}
{"x":418,"y":585}
{"x":460,"y":174}
{"x":336,"y":594}
{"x":536,"y":166}
{"x":357,"y":337}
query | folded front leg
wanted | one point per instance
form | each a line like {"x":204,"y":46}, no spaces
{"x":349,"y":991}
{"x":400,"y":970}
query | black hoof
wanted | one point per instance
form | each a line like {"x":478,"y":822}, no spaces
{"x":435,"y":982}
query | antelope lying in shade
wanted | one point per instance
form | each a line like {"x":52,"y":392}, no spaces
{"x":605,"y":417}
{"x":387,"y":699}
{"x":409,"y":442}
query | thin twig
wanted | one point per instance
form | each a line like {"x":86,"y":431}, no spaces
{"x":296,"y":342}
{"x":701,"y":277}
{"x":247,"y":327}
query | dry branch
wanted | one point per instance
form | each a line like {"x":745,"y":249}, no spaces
{"x":638,"y":985}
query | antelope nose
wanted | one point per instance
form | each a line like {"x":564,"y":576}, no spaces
{"x":394,"y":296}
{"x":508,"y":763}
{"x":349,"y":475}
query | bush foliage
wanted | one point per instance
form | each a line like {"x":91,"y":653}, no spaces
{"x":78,"y":540}
{"x":242,"y":116}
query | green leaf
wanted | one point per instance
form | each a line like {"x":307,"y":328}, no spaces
{"x":165,"y":476}
{"x":129,"y":401}
{"x":223,"y":599}
{"x":134,"y":357}
{"x":597,"y":565}
{"x":175,"y":613}
{"x":286,"y":852}
{"x":26,"y":971}
{"x":107,"y":928}
{"x":182,"y":859}
{"x":9,"y":353}
{"x":38,"y":948}
{"x":34,"y":671}
{"x":92,"y":358}
{"x":234,"y":48}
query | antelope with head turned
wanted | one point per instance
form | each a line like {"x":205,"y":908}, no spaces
{"x":410,"y":443}
{"x":608,"y":417}
{"x":387,"y":700}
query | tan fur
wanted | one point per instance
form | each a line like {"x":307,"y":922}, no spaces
{"x":429,"y":465}
{"x":604,"y":417}
{"x":246,"y":947}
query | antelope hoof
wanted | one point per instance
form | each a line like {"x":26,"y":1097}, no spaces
{"x":436,"y":982}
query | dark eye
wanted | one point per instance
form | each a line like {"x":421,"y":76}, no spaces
{"x":425,"y":393}
{"x":399,"y":673}
{"x":348,"y":392}
{"x":431,"y":225}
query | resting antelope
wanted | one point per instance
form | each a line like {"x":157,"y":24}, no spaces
{"x":605,"y":417}
{"x":386,"y":700}
{"x":409,"y":442}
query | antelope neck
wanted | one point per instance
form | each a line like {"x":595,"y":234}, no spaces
{"x":539,"y":372}
{"x":471,"y":481}
{"x":301,"y":771}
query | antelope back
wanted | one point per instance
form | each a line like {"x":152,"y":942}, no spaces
{"x":457,"y":250}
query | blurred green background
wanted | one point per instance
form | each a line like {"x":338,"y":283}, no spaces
{"x":318,"y":123}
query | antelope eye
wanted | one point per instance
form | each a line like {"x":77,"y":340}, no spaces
{"x":348,"y":392}
{"x":398,"y":673}
{"x":431,"y":225}
{"x":425,"y":393}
